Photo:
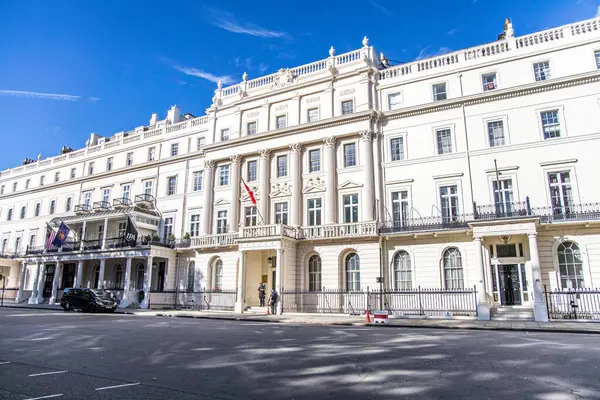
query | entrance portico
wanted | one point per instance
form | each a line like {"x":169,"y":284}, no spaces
{"x":510,"y":274}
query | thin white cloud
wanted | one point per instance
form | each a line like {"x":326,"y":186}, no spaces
{"x":39,"y":95}
{"x":452,"y":31}
{"x":262,"y":68}
{"x":382,"y":8}
{"x":227,"y":21}
{"x":426,"y":53}
{"x":598,"y":12}
{"x":94,"y":99}
{"x":226,"y":79}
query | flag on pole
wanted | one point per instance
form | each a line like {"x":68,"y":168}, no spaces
{"x":50,"y":236}
{"x":131,"y":234}
{"x":250,"y":193}
{"x":61,"y":235}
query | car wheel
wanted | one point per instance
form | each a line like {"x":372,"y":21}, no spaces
{"x":67,"y":306}
{"x":91,"y":308}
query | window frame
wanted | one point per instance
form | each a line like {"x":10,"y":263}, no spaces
{"x":109,"y":163}
{"x":536,"y":62}
{"x":315,"y":273}
{"x":169,"y":180}
{"x":318,"y":111}
{"x":450,"y":128}
{"x":561,"y":124}
{"x":250,"y":215}
{"x":434,"y":93}
{"x":254,"y":161}
{"x":174,"y":149}
{"x":496,"y":81}
{"x":197,"y":176}
{"x":309,"y":164}
{"x":91,"y":167}
{"x":343,"y":150}
{"x":222,"y":168}
{"x":223,"y":138}
{"x":56,"y":176}
{"x":389,"y":100}
{"x":129,"y":159}
{"x":318,"y":211}
{"x":73,"y":173}
{"x":285,"y":119}
{"x":347,"y":100}
{"x":279,"y":168}
{"x":283,"y":215}
{"x":402,"y":284}
{"x":248,"y":123}
{"x":461,"y":198}
{"x":200,"y":142}
{"x":38,"y":209}
{"x":194,"y":224}
{"x":597,"y":58}
{"x":356,"y":281}
{"x":68,"y":204}
{"x":463,"y":272}
{"x":350,"y":194}
{"x":127,"y":185}
{"x":402,"y":136}
{"x":151,"y":154}
{"x":496,"y":118}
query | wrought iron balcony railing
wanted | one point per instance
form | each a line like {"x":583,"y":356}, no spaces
{"x":101,"y":205}
{"x":574,"y":212}
{"x":122,"y":202}
{"x":425,"y":224}
{"x":83,"y":208}
{"x":502,"y":210}
{"x":144,"y":198}
{"x":11,"y":254}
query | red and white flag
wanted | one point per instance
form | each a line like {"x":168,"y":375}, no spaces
{"x":250,"y":193}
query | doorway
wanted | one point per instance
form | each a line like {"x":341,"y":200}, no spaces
{"x":48,"y":279}
{"x":510,"y":285}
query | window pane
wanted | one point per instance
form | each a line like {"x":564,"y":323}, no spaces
{"x":444,"y":141}
{"x":496,"y":133}
{"x":395,"y":101}
{"x":347,"y":107}
{"x":349,"y":155}
{"x":397,"y":148}
{"x":251,"y":128}
{"x":489,"y":81}
{"x":541,"y":71}
{"x":315,"y":160}
{"x":550,"y":124}
{"x":439,"y":92}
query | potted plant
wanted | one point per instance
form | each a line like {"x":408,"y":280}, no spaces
{"x":155,"y":238}
{"x":141,"y":296}
{"x":186,"y":236}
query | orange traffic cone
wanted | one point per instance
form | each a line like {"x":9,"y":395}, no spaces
{"x":268,"y":313}
{"x":368,"y":314}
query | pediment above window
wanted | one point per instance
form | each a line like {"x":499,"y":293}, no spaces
{"x":246,"y":197}
{"x":221,"y":202}
{"x":350,"y":185}
{"x":281,"y":190}
{"x":314,"y":185}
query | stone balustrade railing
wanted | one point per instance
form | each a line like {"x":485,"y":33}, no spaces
{"x":338,"y":230}
{"x":226,"y":239}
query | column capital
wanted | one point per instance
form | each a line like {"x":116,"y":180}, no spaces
{"x":236,"y":159}
{"x":478,"y":239}
{"x":329,"y":141}
{"x":264,"y":153}
{"x":296,"y":147}
{"x":366,"y":135}
{"x":532,"y":235}
{"x":209,"y":164}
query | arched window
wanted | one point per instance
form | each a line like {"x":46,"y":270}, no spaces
{"x":140,"y":277}
{"x":352,"y":272}
{"x":402,"y":271}
{"x":96,"y":276}
{"x":218,"y":281}
{"x":191,"y":276}
{"x":118,"y":276}
{"x":314,"y":273}
{"x":570,"y":266}
{"x":453,"y":270}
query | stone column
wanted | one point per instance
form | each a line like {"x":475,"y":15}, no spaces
{"x":147,"y":282}
{"x":240,"y":303}
{"x":41,"y":282}
{"x":295,"y":210}
{"x":207,"y":204}
{"x":235,"y":193}
{"x":82,"y":238}
{"x":101,"y":274}
{"x":79,"y":277}
{"x":278,"y":271}
{"x":379,"y":196}
{"x":483,"y":307}
{"x":265,"y":178}
{"x":104,"y":233}
{"x":36,"y":276}
{"x":330,"y":181}
{"x":55,"y":282}
{"x":125,"y":298}
{"x":21,"y":283}
{"x":540,"y":312}
{"x":368,"y":193}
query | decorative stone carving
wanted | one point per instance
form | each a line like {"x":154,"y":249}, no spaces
{"x":314,"y":185}
{"x":365,"y":41}
{"x":313,"y":99}
{"x":331,"y":52}
{"x":252,"y":114}
{"x":245,"y":77}
{"x":265,"y":153}
{"x":296,"y":147}
{"x":366,"y":135}
{"x":346,"y":92}
{"x":285,"y":77}
{"x":209,"y":164}
{"x":220,"y":84}
{"x":281,"y":189}
{"x":246,"y":197}
{"x":329,"y":141}
{"x":235,"y":159}
{"x":281,"y":107}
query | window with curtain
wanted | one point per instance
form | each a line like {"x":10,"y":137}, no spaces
{"x":314,"y":274}
{"x":570,"y":266}
{"x":352,"y":265}
{"x":218,"y":281}
{"x":402,"y":271}
{"x":453,"y":270}
{"x":191,"y":276}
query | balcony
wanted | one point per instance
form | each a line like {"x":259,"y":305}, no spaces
{"x":266,"y":231}
{"x":82,"y":208}
{"x":11,"y":254}
{"x":361,"y":229}
{"x":122,"y":202}
{"x":502,"y":210}
{"x":574,"y":212}
{"x":211,"y":241}
{"x":426,"y":224}
{"x":144,"y":200}
{"x":101,"y":205}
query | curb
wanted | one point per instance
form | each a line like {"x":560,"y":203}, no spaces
{"x":33,"y":307}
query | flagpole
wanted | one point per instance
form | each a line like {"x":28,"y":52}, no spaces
{"x":262,"y":220}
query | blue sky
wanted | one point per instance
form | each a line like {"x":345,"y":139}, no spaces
{"x":68,"y":68}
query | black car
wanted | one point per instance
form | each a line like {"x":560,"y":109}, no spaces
{"x":88,"y":300}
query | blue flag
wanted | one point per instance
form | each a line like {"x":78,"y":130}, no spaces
{"x":61,"y":235}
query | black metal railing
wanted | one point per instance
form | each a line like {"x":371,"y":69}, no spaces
{"x":502,"y":210}
{"x":101,"y":205}
{"x":122,"y":202}
{"x":92,"y":244}
{"x":426,"y":224}
{"x":11,"y":254}
{"x":574,"y":212}
{"x":144,"y":198}
{"x":420,"y":301}
{"x":573,"y":303}
{"x":206,"y":299}
{"x":83,"y":208}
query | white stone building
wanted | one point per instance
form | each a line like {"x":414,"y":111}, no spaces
{"x":360,"y":170}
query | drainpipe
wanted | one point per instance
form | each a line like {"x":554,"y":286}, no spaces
{"x":185,"y":191}
{"x":464,"y":114}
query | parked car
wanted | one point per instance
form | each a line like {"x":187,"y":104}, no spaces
{"x":90,"y":300}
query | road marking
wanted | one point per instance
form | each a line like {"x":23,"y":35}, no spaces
{"x":48,"y":373}
{"x":4,"y":362}
{"x":45,"y":397}
{"x":118,"y":386}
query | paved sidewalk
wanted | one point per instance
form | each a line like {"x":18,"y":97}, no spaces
{"x":345,"y":320}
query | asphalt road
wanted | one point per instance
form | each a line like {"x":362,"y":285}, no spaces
{"x":83,"y":356}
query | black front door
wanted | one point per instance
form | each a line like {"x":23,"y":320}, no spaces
{"x":68,"y":277}
{"x":49,"y":277}
{"x":510,"y":285}
{"x":273,"y":280}
{"x":160,"y":286}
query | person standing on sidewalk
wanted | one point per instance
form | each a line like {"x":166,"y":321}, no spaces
{"x":262,"y":293}
{"x":273,"y":301}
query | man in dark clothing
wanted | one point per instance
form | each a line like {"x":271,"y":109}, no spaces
{"x":273,"y":301}
{"x":262,"y":293}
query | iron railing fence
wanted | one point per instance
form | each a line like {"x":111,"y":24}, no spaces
{"x":423,"y":224}
{"x":420,"y":301}
{"x":223,"y":300}
{"x":573,"y":212}
{"x":502,"y":210}
{"x":573,"y":303}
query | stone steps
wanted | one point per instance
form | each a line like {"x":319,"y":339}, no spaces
{"x":512,"y":314}
{"x":256,"y":310}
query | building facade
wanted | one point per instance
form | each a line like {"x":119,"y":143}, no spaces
{"x":473,"y":169}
